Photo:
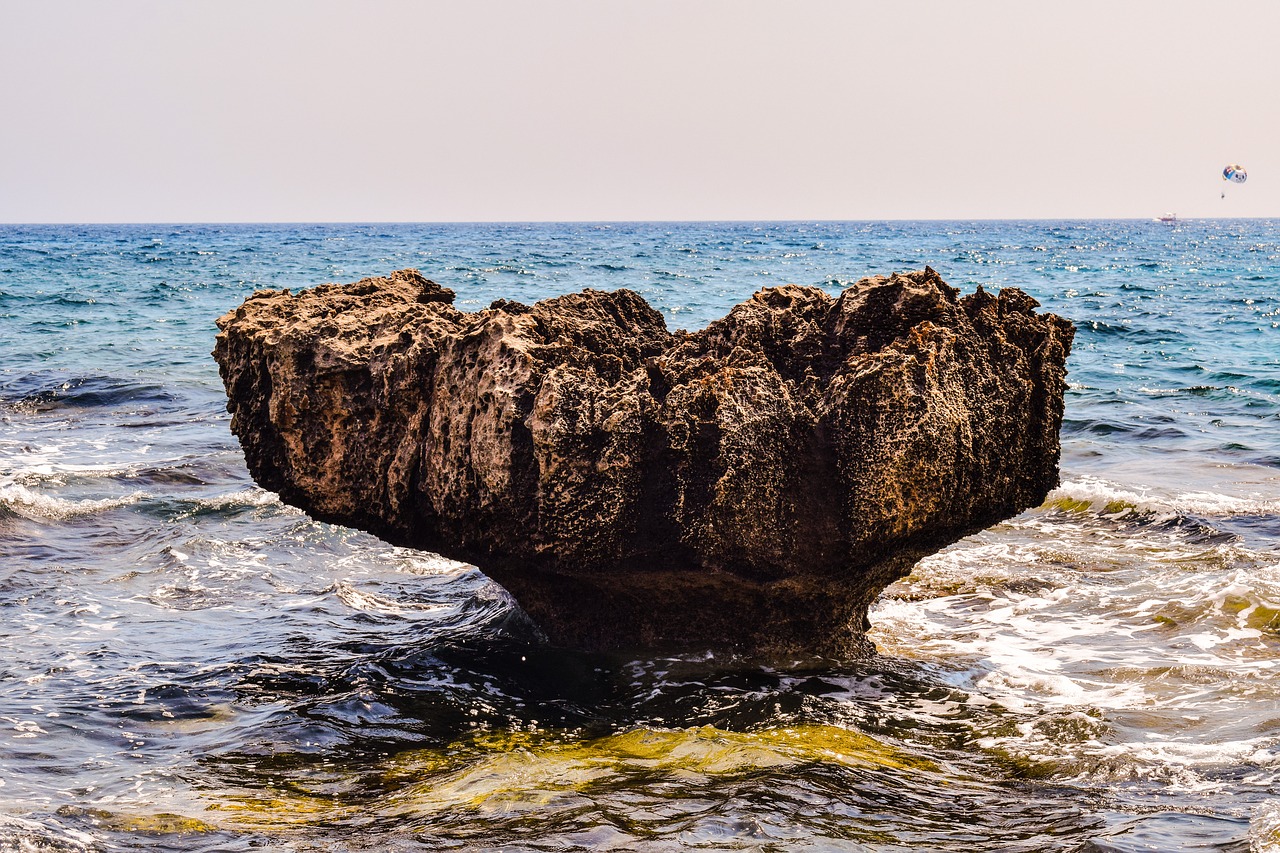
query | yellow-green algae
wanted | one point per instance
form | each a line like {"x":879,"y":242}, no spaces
{"x":1264,"y":618}
{"x":158,"y":823}
{"x":1248,"y":613}
{"x":1080,"y":506}
{"x":279,"y":810}
{"x":506,"y":771}
{"x":511,"y":769}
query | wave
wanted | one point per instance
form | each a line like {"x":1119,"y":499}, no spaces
{"x":1094,"y":495}
{"x":1098,"y":426}
{"x":365,"y":601}
{"x":42,"y":392}
{"x":240,"y":499}
{"x":1264,"y":827}
{"x":45,"y":467}
{"x":1134,"y":334}
{"x":1173,"y":764}
{"x":1272,"y":385}
{"x":22,"y":834}
{"x":18,"y":500}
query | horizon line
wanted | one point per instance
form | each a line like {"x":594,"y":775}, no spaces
{"x":177,"y":222}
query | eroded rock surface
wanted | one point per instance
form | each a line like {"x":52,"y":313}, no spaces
{"x":753,"y":485}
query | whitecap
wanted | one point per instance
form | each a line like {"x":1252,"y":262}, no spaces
{"x":1105,"y":497}
{"x":22,"y":834}
{"x":30,"y":504}
{"x":1264,"y":828}
{"x":243,"y":498}
{"x":370,"y":602}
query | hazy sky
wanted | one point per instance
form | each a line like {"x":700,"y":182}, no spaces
{"x":282,"y":110}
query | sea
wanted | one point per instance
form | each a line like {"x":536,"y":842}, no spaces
{"x":187,"y":664}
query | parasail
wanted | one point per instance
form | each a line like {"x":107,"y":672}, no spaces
{"x":1235,"y":173}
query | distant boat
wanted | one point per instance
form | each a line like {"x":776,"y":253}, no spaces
{"x":1169,"y":219}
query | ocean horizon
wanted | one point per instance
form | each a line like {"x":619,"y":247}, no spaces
{"x":1154,"y":217}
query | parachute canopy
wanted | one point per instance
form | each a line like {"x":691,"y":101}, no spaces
{"x":1235,"y":173}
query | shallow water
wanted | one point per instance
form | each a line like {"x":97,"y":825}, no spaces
{"x":187,"y":664}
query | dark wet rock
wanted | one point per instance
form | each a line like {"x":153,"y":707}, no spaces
{"x":753,"y":485}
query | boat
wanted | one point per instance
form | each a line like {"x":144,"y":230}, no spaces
{"x":1169,"y":219}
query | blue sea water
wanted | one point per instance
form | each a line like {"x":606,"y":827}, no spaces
{"x":187,"y":664}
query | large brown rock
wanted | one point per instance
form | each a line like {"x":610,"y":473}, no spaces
{"x":753,"y":485}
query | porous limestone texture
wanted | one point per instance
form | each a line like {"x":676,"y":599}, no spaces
{"x":750,"y":486}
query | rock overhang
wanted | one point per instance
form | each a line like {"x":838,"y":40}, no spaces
{"x":751,"y":485}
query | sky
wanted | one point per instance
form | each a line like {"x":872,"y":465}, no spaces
{"x":516,"y":110}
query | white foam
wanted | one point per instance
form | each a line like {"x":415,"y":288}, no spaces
{"x":1108,"y":497}
{"x":370,"y":602}
{"x":21,"y":835}
{"x":1264,"y":828}
{"x":428,"y":563}
{"x":1169,"y":646}
{"x":1183,"y":765}
{"x":241,"y":498}
{"x":34,"y":505}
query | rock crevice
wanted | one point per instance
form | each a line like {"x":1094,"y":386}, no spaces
{"x":751,"y":485}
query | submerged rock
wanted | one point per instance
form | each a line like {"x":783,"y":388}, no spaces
{"x":753,"y":485}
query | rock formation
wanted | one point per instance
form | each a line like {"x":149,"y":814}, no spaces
{"x":753,"y":485}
